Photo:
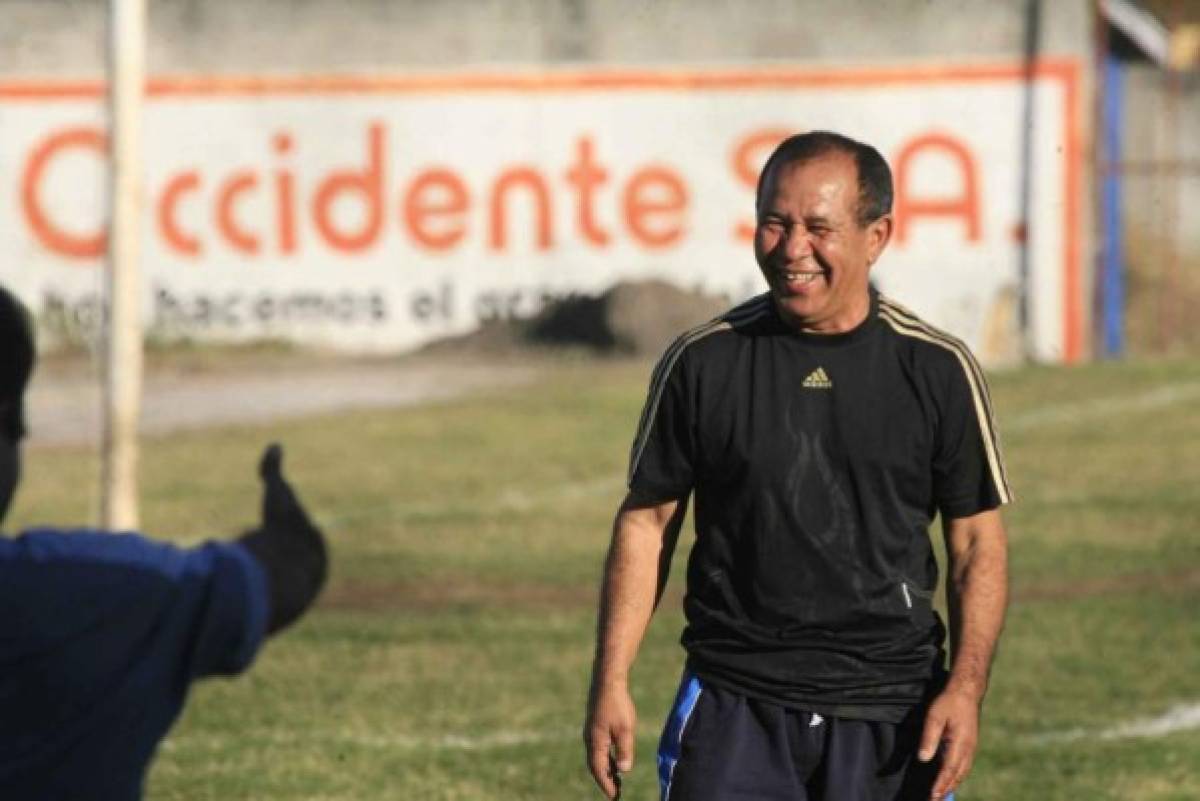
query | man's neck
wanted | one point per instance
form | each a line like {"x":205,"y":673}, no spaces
{"x":840,"y":323}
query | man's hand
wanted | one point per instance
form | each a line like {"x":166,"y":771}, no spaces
{"x":635,"y":572}
{"x":953,"y":723}
{"x":289,"y":547}
{"x":976,"y":596}
{"x":608,"y":736}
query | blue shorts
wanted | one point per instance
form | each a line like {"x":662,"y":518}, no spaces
{"x":721,"y":746}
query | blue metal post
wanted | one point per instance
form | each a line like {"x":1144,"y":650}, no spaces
{"x":1113,"y":267}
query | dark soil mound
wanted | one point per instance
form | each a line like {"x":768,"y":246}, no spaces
{"x":630,"y":319}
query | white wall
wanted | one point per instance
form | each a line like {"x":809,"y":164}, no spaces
{"x":662,"y":93}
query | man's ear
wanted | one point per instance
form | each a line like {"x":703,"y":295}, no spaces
{"x":879,"y":233}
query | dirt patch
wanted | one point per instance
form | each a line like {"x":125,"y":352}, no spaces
{"x":1183,"y":581}
{"x":631,"y":319}
{"x":638,"y":319}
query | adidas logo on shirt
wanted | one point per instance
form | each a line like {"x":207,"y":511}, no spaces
{"x":817,"y":379}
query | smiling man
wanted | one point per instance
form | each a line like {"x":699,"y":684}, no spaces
{"x":820,"y":427}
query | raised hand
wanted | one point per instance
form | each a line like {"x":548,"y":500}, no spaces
{"x":290,"y":548}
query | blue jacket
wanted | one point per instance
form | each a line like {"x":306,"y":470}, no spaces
{"x":101,"y":636}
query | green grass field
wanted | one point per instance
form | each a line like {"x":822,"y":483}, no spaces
{"x":450,"y":654}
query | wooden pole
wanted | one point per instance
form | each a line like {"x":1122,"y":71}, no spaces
{"x":123,"y":343}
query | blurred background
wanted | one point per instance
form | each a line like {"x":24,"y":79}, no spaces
{"x":435,"y":248}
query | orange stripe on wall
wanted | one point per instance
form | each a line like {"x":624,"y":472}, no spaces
{"x":50,"y":90}
{"x":1072,"y":284}
{"x":666,"y":79}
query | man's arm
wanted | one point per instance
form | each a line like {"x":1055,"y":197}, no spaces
{"x":976,"y":594}
{"x":635,"y":574}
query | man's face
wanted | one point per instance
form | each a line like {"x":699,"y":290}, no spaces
{"x":810,"y":247}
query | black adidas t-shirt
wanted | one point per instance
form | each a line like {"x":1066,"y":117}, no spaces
{"x":818,"y":463}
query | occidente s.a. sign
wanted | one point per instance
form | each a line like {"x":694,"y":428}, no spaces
{"x":383,"y":212}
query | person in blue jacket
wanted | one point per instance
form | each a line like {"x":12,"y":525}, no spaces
{"x":102,"y":634}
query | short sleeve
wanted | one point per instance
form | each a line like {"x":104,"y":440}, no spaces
{"x":968,"y":468}
{"x":661,"y":461}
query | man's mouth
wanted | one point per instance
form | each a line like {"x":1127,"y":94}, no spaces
{"x":799,"y":280}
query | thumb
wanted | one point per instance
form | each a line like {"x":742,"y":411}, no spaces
{"x":931,"y":736}
{"x":270,"y":466}
{"x":280,"y":506}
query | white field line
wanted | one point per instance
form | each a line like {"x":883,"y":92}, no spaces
{"x":1100,"y":408}
{"x":386,"y":742}
{"x":1181,"y":717}
{"x":456,"y":742}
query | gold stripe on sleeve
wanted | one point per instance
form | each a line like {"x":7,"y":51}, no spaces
{"x":747,"y":312}
{"x":907,"y":324}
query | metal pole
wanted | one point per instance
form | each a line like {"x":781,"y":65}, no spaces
{"x":1170,"y":313}
{"x":123,"y":356}
{"x":1033,"y":24}
{"x":1112,"y":278}
{"x":1109,"y":176}
{"x":1101,"y":169}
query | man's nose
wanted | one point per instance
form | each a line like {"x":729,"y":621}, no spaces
{"x":797,"y":244}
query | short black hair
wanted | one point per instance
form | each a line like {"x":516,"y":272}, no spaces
{"x":874,"y":175}
{"x":17,"y":353}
